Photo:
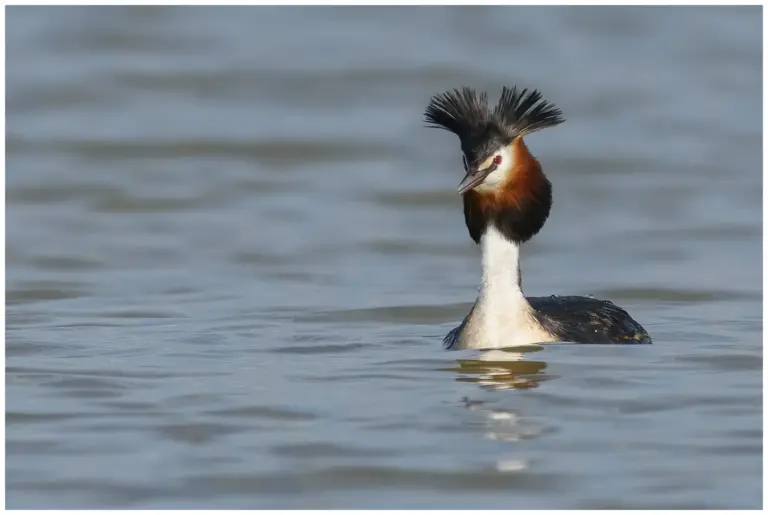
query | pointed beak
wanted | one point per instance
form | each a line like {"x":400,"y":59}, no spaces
{"x":474,"y":178}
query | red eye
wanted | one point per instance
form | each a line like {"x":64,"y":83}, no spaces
{"x":497,"y":160}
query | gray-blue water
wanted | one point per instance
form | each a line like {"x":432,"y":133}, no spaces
{"x":233,"y":250}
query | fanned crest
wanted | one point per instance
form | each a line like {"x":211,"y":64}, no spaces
{"x":466,"y":114}
{"x":462,"y":112}
{"x":523,"y":113}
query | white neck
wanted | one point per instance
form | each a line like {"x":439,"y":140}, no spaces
{"x":501,"y":265}
{"x":504,"y":314}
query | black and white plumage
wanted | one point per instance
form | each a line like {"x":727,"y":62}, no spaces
{"x":576,"y":319}
{"x":507,"y":199}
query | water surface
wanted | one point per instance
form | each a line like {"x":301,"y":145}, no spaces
{"x":233,"y":251}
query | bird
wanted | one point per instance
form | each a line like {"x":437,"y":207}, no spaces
{"x":507,"y":199}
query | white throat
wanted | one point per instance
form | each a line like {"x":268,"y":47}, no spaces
{"x":501,"y":265}
{"x":504,"y":317}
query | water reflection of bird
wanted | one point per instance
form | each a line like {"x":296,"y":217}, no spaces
{"x":504,"y":370}
{"x":507,"y":199}
{"x":501,"y":370}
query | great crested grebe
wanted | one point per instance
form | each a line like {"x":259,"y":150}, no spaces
{"x":507,"y":199}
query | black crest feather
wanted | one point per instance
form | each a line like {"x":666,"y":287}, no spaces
{"x":459,"y":111}
{"x":466,"y":114}
{"x":525,"y":112}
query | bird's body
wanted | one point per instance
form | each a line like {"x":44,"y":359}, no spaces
{"x":507,"y":198}
{"x":570,"y":318}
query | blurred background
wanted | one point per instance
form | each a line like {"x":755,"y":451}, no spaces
{"x":233,"y":250}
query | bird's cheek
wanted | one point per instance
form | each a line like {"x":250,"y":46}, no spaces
{"x":492,"y":181}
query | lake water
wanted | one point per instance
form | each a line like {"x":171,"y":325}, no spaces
{"x":233,"y":250}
